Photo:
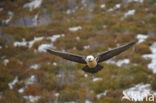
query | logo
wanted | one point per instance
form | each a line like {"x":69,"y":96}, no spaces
{"x":137,"y":96}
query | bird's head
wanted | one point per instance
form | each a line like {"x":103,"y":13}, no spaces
{"x":90,"y":58}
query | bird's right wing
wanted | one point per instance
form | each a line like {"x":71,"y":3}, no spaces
{"x":111,"y":53}
{"x":68,"y":56}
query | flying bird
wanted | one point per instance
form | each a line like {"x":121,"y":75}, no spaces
{"x":92,"y":61}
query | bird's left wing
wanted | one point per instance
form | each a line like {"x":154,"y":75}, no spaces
{"x":68,"y":56}
{"x":111,"y":53}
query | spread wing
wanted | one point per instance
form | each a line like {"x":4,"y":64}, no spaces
{"x":111,"y":53}
{"x":68,"y":56}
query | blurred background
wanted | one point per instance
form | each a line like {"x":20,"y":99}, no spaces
{"x":28,"y":74}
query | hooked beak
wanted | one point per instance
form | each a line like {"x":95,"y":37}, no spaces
{"x":89,"y":59}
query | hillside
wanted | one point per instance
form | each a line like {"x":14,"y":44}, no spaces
{"x":28,"y":74}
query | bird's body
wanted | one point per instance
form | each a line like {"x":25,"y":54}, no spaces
{"x":92,"y":62}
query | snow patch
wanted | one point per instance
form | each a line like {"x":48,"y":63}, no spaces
{"x":33,"y":4}
{"x":101,"y":94}
{"x":11,"y":84}
{"x":57,"y":94}
{"x":130,"y":12}
{"x":30,"y":80}
{"x":140,"y":1}
{"x":69,"y":11}
{"x":35,"y":20}
{"x":97,"y":79}
{"x":32,"y":99}
{"x":138,"y":92}
{"x":53,"y":38}
{"x":30,"y":43}
{"x":23,"y":43}
{"x":35,"y":40}
{"x":86,"y":47}
{"x":141,"y":37}
{"x":54,"y":63}
{"x":70,"y":102}
{"x":21,"y":90}
{"x":119,"y":62}
{"x":102,"y":6}
{"x":10,"y":14}
{"x":88,"y":101}
{"x":115,"y":7}
{"x":35,"y":66}
{"x":42,"y":47}
{"x":0,"y":47}
{"x":74,"y":29}
{"x":85,"y":75}
{"x":6,"y":61}
{"x":152,"y":65}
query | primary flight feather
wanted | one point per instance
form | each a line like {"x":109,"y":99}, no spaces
{"x":92,"y":62}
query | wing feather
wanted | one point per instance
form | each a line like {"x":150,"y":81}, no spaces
{"x":68,"y":56}
{"x":111,"y":53}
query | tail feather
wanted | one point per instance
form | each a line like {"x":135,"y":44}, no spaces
{"x":92,"y":70}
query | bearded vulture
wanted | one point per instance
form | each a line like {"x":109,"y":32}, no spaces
{"x":92,"y":61}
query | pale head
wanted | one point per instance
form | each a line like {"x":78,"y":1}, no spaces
{"x":90,"y":58}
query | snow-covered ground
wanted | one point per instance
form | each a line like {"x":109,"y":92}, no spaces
{"x":96,"y":79}
{"x":21,"y":90}
{"x":54,"y":63}
{"x":141,"y":37}
{"x":115,"y":7}
{"x":85,"y":75}
{"x":88,"y":101}
{"x":137,"y":93}
{"x":69,"y":11}
{"x":35,"y":20}
{"x":35,"y":66}
{"x":56,"y":95}
{"x":119,"y":62}
{"x":101,"y":94}
{"x":31,"y":80}
{"x":10,"y":16}
{"x":152,"y":65}
{"x":140,"y":1}
{"x":23,"y":43}
{"x":42,"y":47}
{"x":11,"y":84}
{"x":74,"y":29}
{"x":102,"y":6}
{"x":33,"y":4}
{"x":86,"y":47}
{"x":29,"y":43}
{"x":70,"y":102}
{"x":35,"y":40}
{"x":32,"y":99}
{"x":6,"y":61}
{"x":130,"y":12}
{"x":53,"y":38}
{"x":56,"y":36}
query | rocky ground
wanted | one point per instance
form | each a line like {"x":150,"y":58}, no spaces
{"x":28,"y":74}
